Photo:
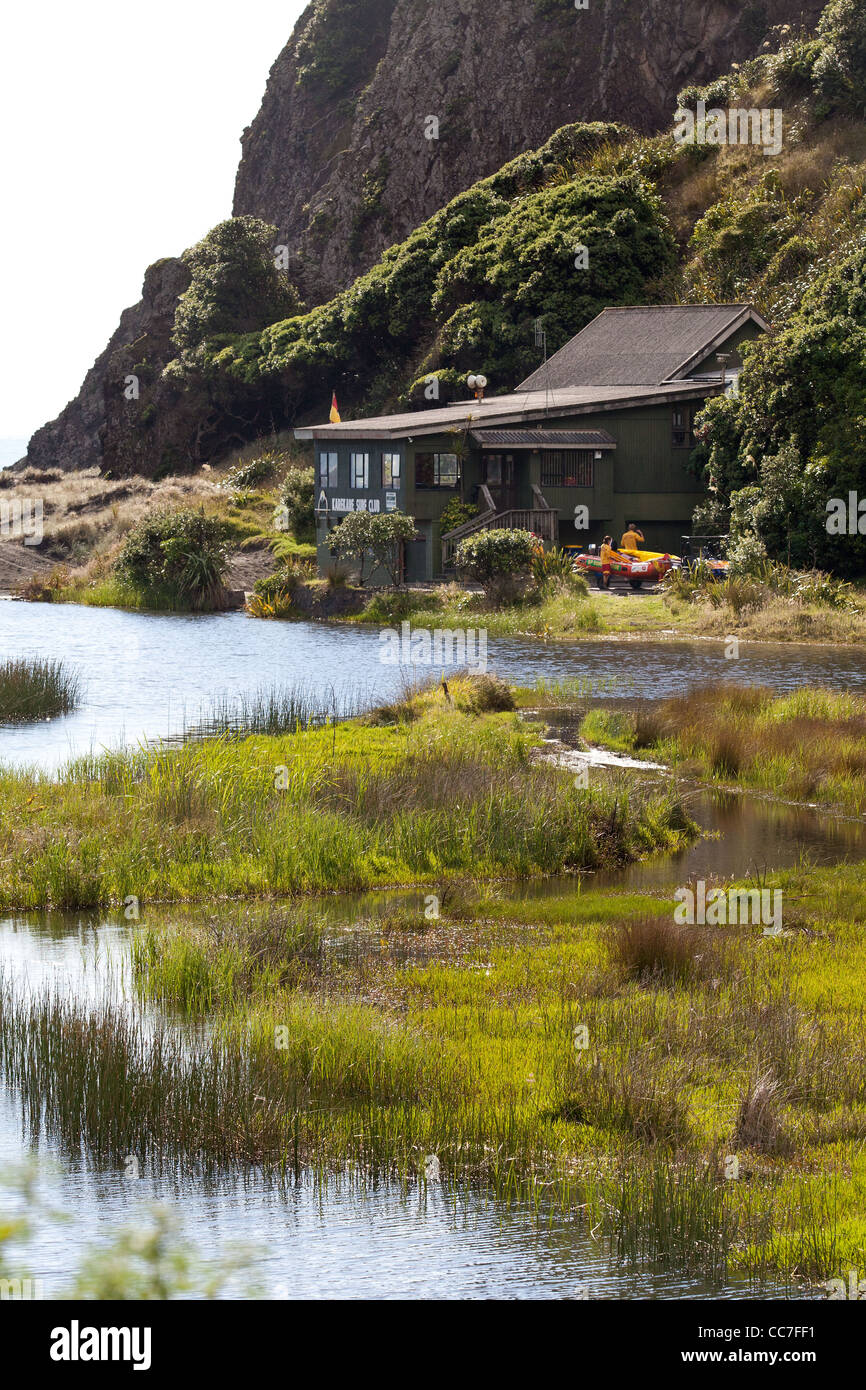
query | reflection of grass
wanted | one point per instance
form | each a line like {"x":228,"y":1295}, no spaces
{"x":808,"y":746}
{"x":392,"y":799}
{"x":36,"y":689}
{"x":563,"y":1058}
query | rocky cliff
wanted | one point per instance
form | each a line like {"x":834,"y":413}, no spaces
{"x":142,"y":343}
{"x":376,"y":113}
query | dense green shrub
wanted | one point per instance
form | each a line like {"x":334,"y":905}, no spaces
{"x":181,"y":555}
{"x":279,"y":585}
{"x":736,"y":240}
{"x":374,"y":539}
{"x":499,"y":560}
{"x":296,"y":510}
{"x":795,"y":436}
{"x":522,"y":232}
{"x":455,"y":514}
{"x":839,"y":73}
{"x":524,"y":266}
{"x":236,"y":286}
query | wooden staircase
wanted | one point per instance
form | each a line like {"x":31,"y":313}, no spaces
{"x":542,"y":520}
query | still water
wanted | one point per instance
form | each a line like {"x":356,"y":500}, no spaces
{"x":147,"y":676}
{"x":296,"y":1240}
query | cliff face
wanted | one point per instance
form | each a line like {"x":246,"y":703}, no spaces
{"x":340,"y":157}
{"x":143,"y":341}
{"x":378,"y":112}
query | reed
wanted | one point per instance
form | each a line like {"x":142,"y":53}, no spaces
{"x":33,"y":688}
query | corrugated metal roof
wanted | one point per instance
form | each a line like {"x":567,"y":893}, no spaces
{"x":519,"y":406}
{"x":638,"y":346}
{"x":544,"y":439}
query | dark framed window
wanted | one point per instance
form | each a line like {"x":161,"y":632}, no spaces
{"x":328,"y":470}
{"x":437,"y":470}
{"x":566,"y":468}
{"x":360,"y":471}
{"x":390,"y":469}
{"x":682,"y":433}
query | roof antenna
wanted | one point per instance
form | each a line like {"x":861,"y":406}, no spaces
{"x":541,"y":341}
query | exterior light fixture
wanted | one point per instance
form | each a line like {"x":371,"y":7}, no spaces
{"x":477,"y":383}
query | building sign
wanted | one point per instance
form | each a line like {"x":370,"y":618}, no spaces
{"x":355,"y":504}
{"x":390,"y":501}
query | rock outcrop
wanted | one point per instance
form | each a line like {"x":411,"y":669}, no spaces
{"x":376,"y":113}
{"x":143,"y":340}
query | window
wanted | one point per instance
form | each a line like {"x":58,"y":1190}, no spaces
{"x":390,"y":470}
{"x":327,"y":470}
{"x":682,"y":435}
{"x":360,"y":471}
{"x":437,"y":470}
{"x":566,"y":468}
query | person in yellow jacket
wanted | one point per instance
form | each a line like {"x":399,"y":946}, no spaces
{"x":604,"y":554}
{"x":631,"y":537}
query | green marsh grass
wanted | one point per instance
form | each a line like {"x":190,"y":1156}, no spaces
{"x":369,"y":1068}
{"x":36,"y":688}
{"x":339,"y":806}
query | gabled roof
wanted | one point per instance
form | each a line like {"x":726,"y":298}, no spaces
{"x":644,"y":346}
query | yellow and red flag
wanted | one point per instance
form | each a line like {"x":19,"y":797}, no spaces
{"x":335,"y":412}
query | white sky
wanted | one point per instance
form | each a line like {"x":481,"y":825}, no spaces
{"x":119,"y":135}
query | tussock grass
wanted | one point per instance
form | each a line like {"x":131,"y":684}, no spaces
{"x":655,"y":950}
{"x":806,"y":746}
{"x":36,"y":688}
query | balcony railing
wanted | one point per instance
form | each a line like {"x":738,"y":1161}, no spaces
{"x":542,"y":521}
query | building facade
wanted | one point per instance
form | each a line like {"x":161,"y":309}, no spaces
{"x":597,"y":437}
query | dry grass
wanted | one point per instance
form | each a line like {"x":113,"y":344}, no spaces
{"x":84,"y":512}
{"x":759,"y":1118}
{"x":779,"y":620}
{"x":809,"y":745}
{"x":657,"y":951}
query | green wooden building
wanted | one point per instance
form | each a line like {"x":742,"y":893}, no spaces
{"x":597,"y":437}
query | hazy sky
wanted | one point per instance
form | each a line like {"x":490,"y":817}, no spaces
{"x":119,"y":131}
